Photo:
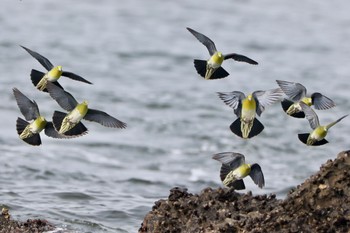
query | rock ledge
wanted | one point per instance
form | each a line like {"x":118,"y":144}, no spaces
{"x":320,"y":204}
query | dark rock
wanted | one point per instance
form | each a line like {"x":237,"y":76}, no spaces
{"x":320,"y":204}
{"x":31,"y":225}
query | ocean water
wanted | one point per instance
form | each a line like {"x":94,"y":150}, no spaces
{"x":139,"y":56}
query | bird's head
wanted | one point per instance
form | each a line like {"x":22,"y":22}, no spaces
{"x":250,"y":97}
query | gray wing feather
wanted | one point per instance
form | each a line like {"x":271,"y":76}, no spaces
{"x":321,"y":102}
{"x":204,"y":40}
{"x":40,"y":58}
{"x":266,"y":98}
{"x":232,"y":99}
{"x":28,"y":108}
{"x":310,"y":115}
{"x":103,"y":119}
{"x":294,"y":91}
{"x":234,"y":160}
{"x":257,"y":175}
{"x":63,"y":98}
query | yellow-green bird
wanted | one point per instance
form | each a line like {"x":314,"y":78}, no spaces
{"x":234,"y":169}
{"x":68,"y":124}
{"x":211,"y":69}
{"x":40,"y":79}
{"x":30,"y":132}
{"x":297,"y":93}
{"x":317,"y":136}
{"x":246,"y":108}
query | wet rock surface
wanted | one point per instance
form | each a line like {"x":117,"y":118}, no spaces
{"x":320,"y":204}
{"x":7,"y":225}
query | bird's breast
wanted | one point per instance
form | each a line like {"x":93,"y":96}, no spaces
{"x":319,"y":133}
{"x":37,"y":125}
{"x":75,"y":115}
{"x":215,"y":61}
{"x":54,"y":74}
{"x":248,"y":109}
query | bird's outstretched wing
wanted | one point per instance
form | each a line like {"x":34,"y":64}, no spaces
{"x":234,"y":160}
{"x":103,"y":119}
{"x":28,"y":108}
{"x":294,"y":91}
{"x":63,"y":98}
{"x":257,"y":175}
{"x":75,"y":77}
{"x":310,"y":115}
{"x":233,"y":99}
{"x":321,"y":102}
{"x":266,"y":98}
{"x":40,"y":58}
{"x":240,"y":58}
{"x":204,"y":40}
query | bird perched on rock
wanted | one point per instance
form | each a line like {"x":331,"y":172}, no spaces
{"x":296,"y":92}
{"x":40,"y":79}
{"x":30,"y":132}
{"x":317,"y":136}
{"x":70,"y":123}
{"x":246,"y":108}
{"x":212,"y":69}
{"x":234,"y":169}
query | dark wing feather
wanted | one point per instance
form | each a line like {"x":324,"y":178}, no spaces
{"x":75,"y":77}
{"x":41,"y":59}
{"x":240,"y":58}
{"x":257,"y":175}
{"x":28,"y":108}
{"x":103,"y":119}
{"x":204,"y":40}
{"x":63,"y":98}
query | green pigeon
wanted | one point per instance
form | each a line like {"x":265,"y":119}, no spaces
{"x":70,"y":122}
{"x":30,"y":132}
{"x":247,"y":107}
{"x":234,"y":169}
{"x":297,"y":93}
{"x":211,"y":69}
{"x":40,"y":79}
{"x":317,"y":136}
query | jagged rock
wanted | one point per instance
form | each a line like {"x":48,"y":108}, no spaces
{"x":31,"y":225}
{"x":320,"y":204}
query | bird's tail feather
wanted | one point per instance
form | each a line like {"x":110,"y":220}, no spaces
{"x":21,"y":125}
{"x":33,"y":140}
{"x":78,"y":130}
{"x":304,"y":136}
{"x":256,"y":129}
{"x":286,"y":104}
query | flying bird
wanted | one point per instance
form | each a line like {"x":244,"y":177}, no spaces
{"x":234,"y":169}
{"x":211,"y":69}
{"x":317,"y":136}
{"x":70,"y":123}
{"x":40,"y":79}
{"x":246,"y":108}
{"x":30,"y":132}
{"x":296,"y":92}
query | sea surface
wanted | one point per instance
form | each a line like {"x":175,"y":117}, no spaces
{"x":139,"y":56}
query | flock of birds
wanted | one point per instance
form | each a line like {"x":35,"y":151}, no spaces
{"x":293,"y":97}
{"x":63,"y":125}
{"x":294,"y":100}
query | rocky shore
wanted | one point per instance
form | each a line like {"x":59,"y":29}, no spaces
{"x":7,"y":225}
{"x":320,"y":204}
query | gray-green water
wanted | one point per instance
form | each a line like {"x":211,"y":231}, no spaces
{"x":139,"y":56}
